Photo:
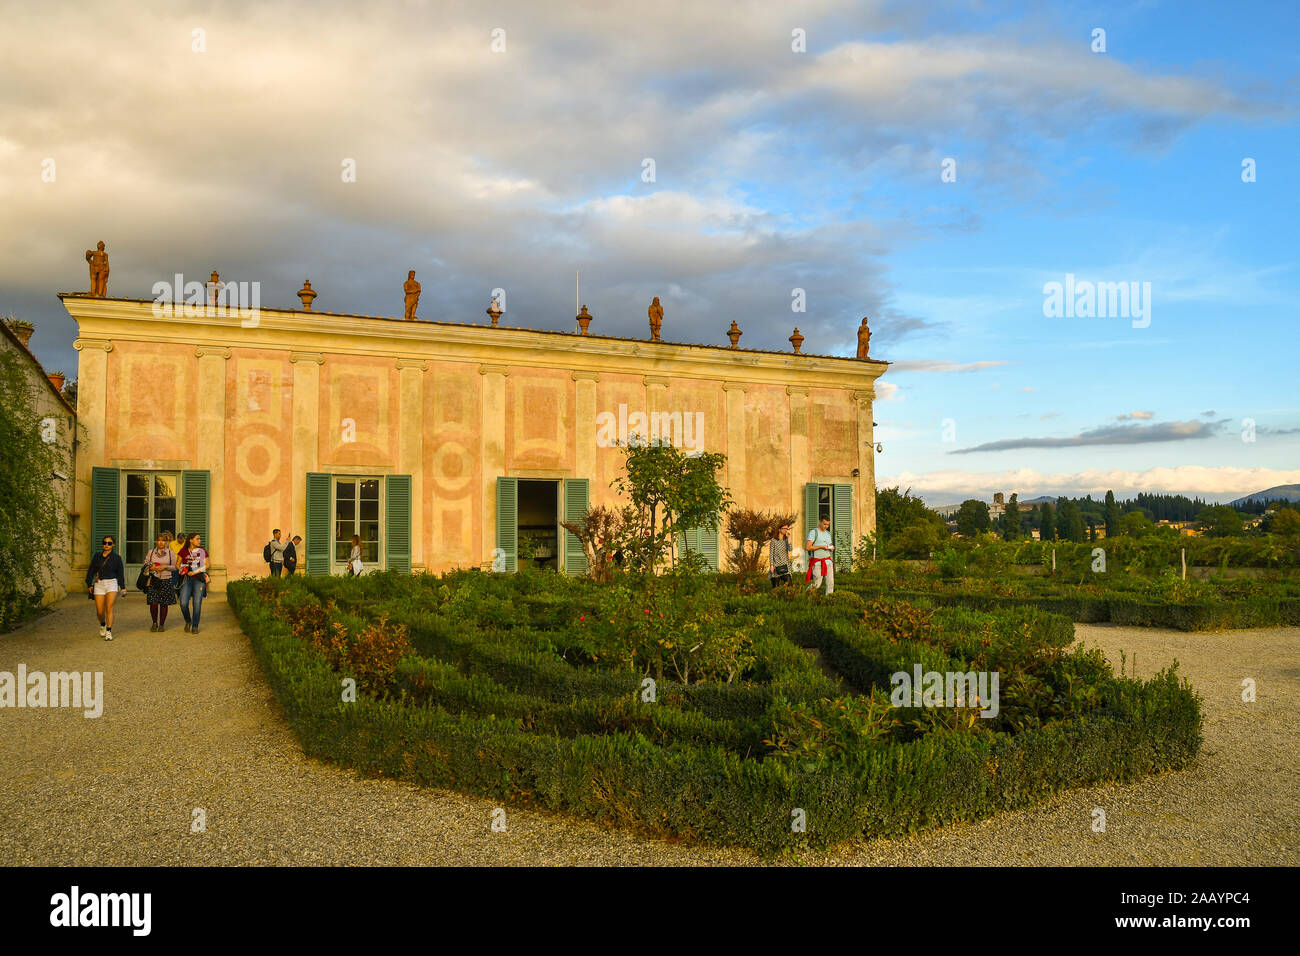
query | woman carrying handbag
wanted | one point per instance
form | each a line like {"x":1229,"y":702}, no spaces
{"x":161,"y":566}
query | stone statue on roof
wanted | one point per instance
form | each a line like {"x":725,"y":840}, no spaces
{"x":98,"y":260}
{"x":411,"y":288}
{"x":656,"y":312}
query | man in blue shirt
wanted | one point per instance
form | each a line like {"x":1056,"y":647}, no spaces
{"x":820,"y":564}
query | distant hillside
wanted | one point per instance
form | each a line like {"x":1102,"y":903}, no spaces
{"x":1289,"y":492}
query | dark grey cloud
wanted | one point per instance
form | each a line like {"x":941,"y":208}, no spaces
{"x":1107,"y":435}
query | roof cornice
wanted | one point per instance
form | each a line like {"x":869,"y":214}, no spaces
{"x":135,"y":320}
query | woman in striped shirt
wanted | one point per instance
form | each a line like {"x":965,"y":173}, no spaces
{"x":778,"y":556}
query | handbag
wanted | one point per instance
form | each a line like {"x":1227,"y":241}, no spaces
{"x":142,"y":580}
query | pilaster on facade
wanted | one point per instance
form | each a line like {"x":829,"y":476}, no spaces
{"x":315,"y":357}
{"x":204,"y":351}
{"x":84,"y":343}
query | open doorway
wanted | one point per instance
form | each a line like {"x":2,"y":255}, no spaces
{"x":539,"y":522}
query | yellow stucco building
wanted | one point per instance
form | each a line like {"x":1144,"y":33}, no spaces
{"x":441,"y":444}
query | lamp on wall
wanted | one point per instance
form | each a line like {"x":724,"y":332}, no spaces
{"x":879,"y":448}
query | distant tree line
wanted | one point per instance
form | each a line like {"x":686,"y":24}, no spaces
{"x":906,"y":527}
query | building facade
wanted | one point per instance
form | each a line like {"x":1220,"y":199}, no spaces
{"x":441,"y":444}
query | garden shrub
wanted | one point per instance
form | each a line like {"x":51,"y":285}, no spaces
{"x":472,"y":687}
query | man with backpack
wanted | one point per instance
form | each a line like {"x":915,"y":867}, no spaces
{"x":273,"y":553}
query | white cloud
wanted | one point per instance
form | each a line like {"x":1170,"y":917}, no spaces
{"x":942,"y":365}
{"x":1224,"y":482}
{"x":888,"y":391}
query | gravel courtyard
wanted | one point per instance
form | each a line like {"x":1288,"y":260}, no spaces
{"x":189,"y":723}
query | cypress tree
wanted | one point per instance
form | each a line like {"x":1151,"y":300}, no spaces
{"x":1112,"y":515}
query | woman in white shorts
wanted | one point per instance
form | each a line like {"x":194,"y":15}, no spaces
{"x":105,"y":580}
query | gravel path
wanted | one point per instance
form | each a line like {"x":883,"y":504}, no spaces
{"x":189,"y":722}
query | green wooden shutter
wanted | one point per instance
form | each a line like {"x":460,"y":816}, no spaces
{"x":105,"y":506}
{"x":318,"y":542}
{"x":508,"y":522}
{"x":577,"y":499}
{"x":842,"y":526}
{"x":708,"y":539}
{"x":809,"y":510}
{"x":701,"y":541}
{"x":397,"y":523}
{"x":195,"y":505}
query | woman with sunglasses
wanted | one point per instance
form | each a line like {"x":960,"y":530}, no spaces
{"x":105,"y":580}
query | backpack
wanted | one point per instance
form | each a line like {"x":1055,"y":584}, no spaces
{"x":266,"y":553}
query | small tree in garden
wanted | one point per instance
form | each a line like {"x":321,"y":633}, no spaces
{"x":601,"y":532}
{"x":749,"y":531}
{"x":671,"y":492}
{"x":668,"y":624}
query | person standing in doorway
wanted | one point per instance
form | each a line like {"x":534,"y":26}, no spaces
{"x":820,"y":565}
{"x":161,"y":593}
{"x":194,"y":574}
{"x":355,"y":566}
{"x":105,"y":580}
{"x":778,"y":556}
{"x":275,"y":553}
{"x":291,"y":554}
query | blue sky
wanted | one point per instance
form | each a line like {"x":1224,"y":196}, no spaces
{"x":775,"y":170}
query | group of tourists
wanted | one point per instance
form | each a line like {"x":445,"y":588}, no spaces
{"x":283,"y":556}
{"x":178,"y":564}
{"x":819,"y":546}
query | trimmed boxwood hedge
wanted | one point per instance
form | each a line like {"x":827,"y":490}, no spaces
{"x":484,"y":715}
{"x":1116,"y":608}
